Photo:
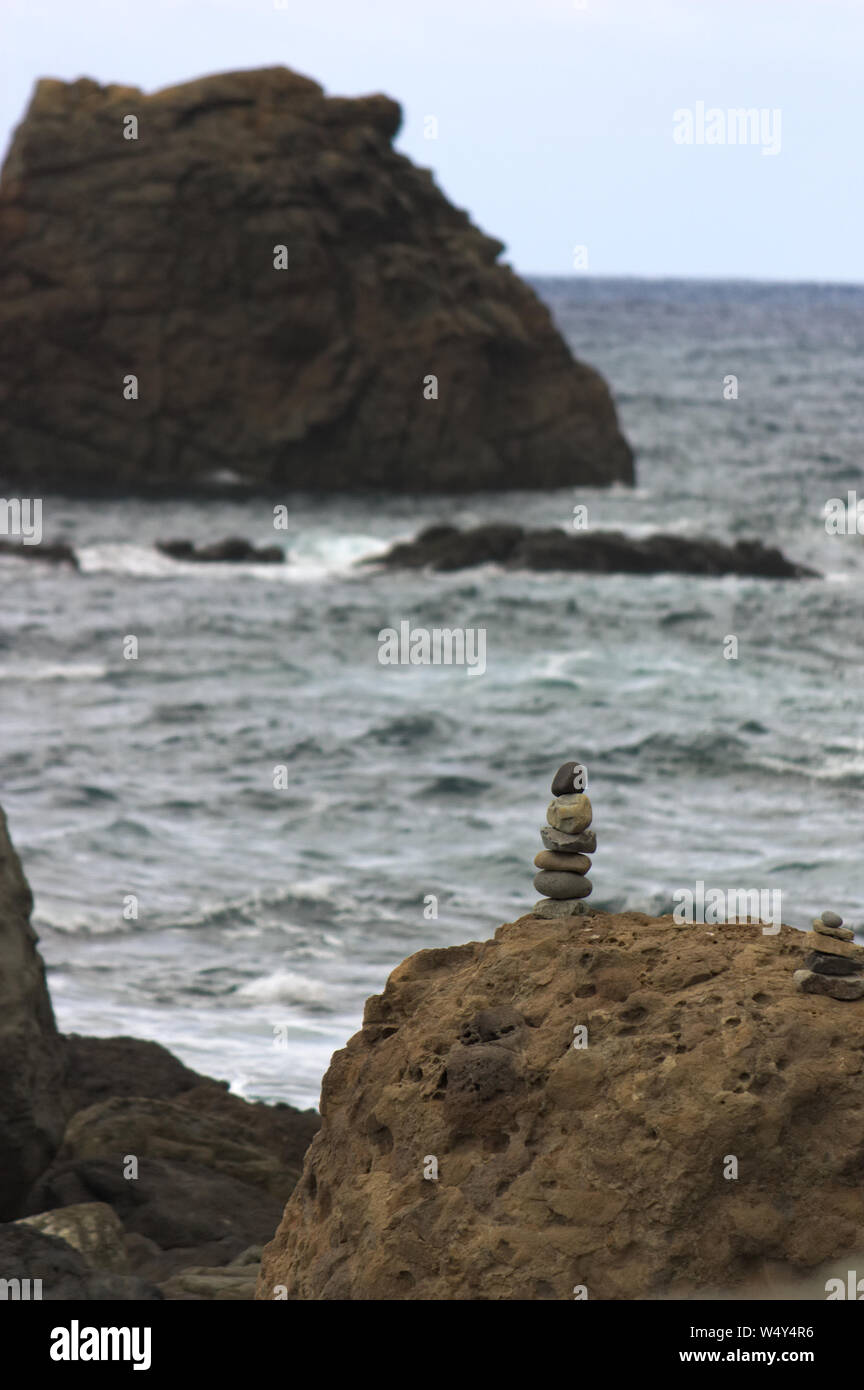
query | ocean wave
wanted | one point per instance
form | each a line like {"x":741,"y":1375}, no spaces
{"x":322,"y":558}
{"x":287,"y":987}
{"x":23,"y":671}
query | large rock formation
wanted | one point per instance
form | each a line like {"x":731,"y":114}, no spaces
{"x":153,"y":257}
{"x":31,"y":1050}
{"x":712,"y":1123}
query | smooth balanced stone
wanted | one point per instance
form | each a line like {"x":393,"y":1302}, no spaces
{"x":831,"y":919}
{"x":835,"y":986}
{"x":568,"y":779}
{"x":815,"y":941}
{"x":557,"y":907}
{"x":567,"y":863}
{"x":571,"y":814}
{"x":831,"y":965}
{"x":558,"y":885}
{"x":839,"y":933}
{"x":586,"y":843}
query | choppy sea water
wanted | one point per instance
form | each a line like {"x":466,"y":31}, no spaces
{"x":265,"y":916}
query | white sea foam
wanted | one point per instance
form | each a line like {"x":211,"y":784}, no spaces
{"x":286,"y":987}
{"x":23,"y":672}
{"x":318,"y":559}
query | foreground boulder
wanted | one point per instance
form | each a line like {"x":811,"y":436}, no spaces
{"x":611,"y":1103}
{"x":32,"y":1112}
{"x":597,"y":552}
{"x":212,"y":1171}
{"x":37,"y":1265}
{"x":263,"y":294}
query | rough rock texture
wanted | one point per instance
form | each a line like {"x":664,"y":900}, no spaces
{"x":91,"y":1228}
{"x":183,"y":1206}
{"x":154,"y":257}
{"x":29,"y":1255}
{"x":601,"y":1165}
{"x":229,"y":1283}
{"x":183,"y":1131}
{"x":31,"y":1056}
{"x":597,"y":552}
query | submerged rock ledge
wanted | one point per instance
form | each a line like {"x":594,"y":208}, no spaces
{"x":598,"y":552}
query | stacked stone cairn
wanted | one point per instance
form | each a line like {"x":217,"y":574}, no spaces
{"x":567,"y":841}
{"x":835,"y":965}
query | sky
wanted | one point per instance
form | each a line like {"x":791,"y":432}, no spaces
{"x":569,"y":129}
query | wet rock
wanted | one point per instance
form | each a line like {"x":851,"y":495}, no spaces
{"x":231,"y":551}
{"x":597,"y":552}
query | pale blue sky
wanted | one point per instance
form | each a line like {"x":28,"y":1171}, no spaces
{"x":555,"y":117}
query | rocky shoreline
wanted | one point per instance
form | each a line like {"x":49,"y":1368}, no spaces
{"x":445,"y":548}
{"x":547,"y":1114}
{"x":124,"y":1174}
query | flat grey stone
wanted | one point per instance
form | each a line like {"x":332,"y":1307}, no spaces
{"x":838,"y":933}
{"x":559,"y":840}
{"x":830,"y":965}
{"x":835,"y":986}
{"x":557,"y":907}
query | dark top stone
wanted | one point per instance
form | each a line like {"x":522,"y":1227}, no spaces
{"x":562,"y":782}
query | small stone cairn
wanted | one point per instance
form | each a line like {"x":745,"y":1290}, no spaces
{"x":567,"y":841}
{"x":835,"y":965}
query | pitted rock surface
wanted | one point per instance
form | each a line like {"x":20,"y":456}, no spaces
{"x":602,"y":1165}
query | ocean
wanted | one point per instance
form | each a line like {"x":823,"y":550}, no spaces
{"x":412,"y":797}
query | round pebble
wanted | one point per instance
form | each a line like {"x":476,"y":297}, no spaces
{"x":565,"y":863}
{"x":831,"y":919}
{"x":558,"y":885}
